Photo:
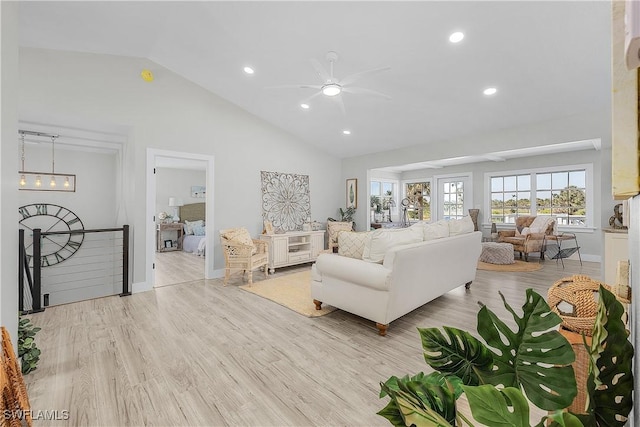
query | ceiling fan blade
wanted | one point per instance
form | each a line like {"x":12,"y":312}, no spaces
{"x":306,"y":101}
{"x":317,"y":87}
{"x":353,"y":77}
{"x":340,"y":102}
{"x":322,"y":73}
{"x":363,"y":91}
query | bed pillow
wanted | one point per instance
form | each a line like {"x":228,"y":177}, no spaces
{"x":188,"y":225}
{"x":198,"y":230}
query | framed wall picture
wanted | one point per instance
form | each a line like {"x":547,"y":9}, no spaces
{"x":268,"y":227}
{"x":198,"y":191}
{"x":352,"y":193}
{"x":168,"y":243}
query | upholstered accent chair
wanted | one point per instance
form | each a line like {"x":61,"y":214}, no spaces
{"x":335,"y":227}
{"x":243,"y":253}
{"x":528,"y":236}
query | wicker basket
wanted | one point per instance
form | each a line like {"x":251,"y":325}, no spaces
{"x":580,"y":369}
{"x":579,"y":292}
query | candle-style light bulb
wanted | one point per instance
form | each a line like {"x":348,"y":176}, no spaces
{"x":66,"y":182}
{"x":38,"y":181}
{"x":23,"y":180}
{"x":52,"y":183}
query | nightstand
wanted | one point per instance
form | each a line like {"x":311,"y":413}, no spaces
{"x":167,"y":243}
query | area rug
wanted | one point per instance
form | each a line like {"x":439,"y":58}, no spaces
{"x":518,"y":266}
{"x":292,"y":291}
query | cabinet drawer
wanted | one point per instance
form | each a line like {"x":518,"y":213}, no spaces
{"x":299,"y":256}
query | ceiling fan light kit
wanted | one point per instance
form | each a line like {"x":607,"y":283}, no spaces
{"x":331,"y":87}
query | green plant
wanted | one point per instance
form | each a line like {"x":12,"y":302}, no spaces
{"x":347,"y":214}
{"x":27,"y":350}
{"x":534,"y":358}
{"x":375,"y":203}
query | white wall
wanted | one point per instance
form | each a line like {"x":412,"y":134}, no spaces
{"x":94,"y":200}
{"x":8,"y":176}
{"x":176,"y":183}
{"x":173,"y":114}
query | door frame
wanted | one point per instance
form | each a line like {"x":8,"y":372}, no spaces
{"x":152,"y":155}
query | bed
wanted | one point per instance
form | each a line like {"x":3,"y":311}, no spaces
{"x":189,"y":213}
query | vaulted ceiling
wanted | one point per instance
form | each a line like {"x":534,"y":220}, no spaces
{"x":546,"y":60}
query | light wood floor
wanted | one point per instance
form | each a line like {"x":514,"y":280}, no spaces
{"x":202,"y":354}
{"x":178,"y":267}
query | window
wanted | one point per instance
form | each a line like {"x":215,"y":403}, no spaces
{"x":510,"y":197}
{"x":563,"y":195}
{"x":453,"y":199}
{"x":561,"y":192}
{"x":383,"y":193}
{"x":418,"y":200}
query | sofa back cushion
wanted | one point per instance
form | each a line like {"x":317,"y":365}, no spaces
{"x":436,"y":230}
{"x":383,"y":239}
{"x":463,"y":225}
{"x":351,"y":244}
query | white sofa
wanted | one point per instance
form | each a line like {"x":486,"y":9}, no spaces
{"x":408,"y":276}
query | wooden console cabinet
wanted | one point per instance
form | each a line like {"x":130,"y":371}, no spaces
{"x":294,"y":247}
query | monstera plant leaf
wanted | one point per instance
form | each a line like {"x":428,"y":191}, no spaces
{"x":535,"y":356}
{"x":610,"y":382}
{"x":498,"y":408}
{"x":420,"y":400}
{"x":459,"y":354}
{"x":560,"y":419}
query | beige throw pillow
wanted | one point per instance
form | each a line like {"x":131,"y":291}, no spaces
{"x":351,"y":244}
{"x":382,"y":240}
{"x":463,"y":225}
{"x":436,"y":230}
{"x":240,"y":235}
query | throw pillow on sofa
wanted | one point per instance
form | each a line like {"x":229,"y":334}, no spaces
{"x":351,"y":244}
{"x":463,"y":225}
{"x":382,"y":240}
{"x":436,"y":230}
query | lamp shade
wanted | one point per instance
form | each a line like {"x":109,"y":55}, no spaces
{"x":174,"y":202}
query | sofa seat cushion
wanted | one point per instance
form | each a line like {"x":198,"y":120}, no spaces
{"x":355,"y":271}
{"x":351,"y":244}
{"x":384,"y":239}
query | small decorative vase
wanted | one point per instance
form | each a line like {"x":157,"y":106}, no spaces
{"x":473,"y":213}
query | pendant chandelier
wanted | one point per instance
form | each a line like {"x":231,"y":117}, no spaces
{"x":44,"y":181}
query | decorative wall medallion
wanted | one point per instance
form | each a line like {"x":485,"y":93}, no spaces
{"x":285,"y":200}
{"x":50,"y":218}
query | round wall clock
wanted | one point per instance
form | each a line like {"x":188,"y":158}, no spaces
{"x":55,"y":248}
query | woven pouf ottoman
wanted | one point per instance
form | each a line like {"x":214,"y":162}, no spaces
{"x":497,"y":253}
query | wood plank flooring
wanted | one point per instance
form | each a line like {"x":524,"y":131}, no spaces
{"x":200,"y":353}
{"x":178,"y":267}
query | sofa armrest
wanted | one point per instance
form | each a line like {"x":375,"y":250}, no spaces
{"x":356,"y":271}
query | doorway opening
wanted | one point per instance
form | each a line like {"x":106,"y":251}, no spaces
{"x":179,"y":208}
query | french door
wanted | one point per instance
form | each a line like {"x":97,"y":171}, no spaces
{"x":455,"y":196}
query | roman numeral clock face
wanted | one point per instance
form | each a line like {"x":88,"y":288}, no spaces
{"x":55,"y":248}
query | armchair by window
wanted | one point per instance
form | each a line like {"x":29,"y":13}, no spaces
{"x":528,"y":234}
{"x":243,"y":253}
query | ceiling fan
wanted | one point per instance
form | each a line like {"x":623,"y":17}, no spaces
{"x":331,"y":86}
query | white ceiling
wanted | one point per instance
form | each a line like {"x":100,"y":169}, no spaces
{"x":547,"y":59}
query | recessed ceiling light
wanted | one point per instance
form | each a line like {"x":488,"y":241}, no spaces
{"x":346,"y":132}
{"x":305,"y":106}
{"x":248,"y":70}
{"x":490,"y":91}
{"x":456,"y":37}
